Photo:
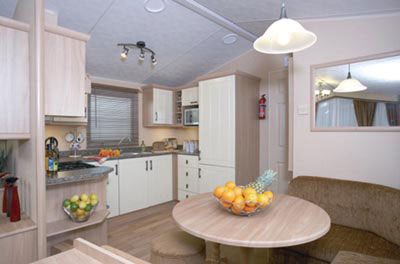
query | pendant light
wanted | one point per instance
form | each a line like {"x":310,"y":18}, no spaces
{"x":284,"y":36}
{"x":350,"y":85}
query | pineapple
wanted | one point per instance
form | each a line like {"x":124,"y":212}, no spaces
{"x":262,"y":183}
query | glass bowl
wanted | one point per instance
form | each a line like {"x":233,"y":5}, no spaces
{"x":80,"y":219}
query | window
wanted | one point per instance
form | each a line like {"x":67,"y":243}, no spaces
{"x":113,"y":115}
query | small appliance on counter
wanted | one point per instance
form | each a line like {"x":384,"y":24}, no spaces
{"x":52,"y":155}
{"x":191,"y":117}
{"x":11,"y":204}
{"x":171,"y":144}
{"x":191,"y":146}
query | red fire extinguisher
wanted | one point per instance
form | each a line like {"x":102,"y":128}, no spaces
{"x":262,"y":107}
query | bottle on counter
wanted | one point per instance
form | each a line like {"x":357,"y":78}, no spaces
{"x":143,"y":146}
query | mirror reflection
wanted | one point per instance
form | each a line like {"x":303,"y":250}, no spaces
{"x":359,"y":94}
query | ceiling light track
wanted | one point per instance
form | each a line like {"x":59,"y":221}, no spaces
{"x":140,"y":45}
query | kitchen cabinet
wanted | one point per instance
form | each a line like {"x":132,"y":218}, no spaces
{"x":65,"y":74}
{"x":15,"y":83}
{"x":113,"y":188}
{"x":229,"y":130}
{"x":188,"y":176}
{"x":144,"y":182}
{"x":190,"y":96}
{"x":163,"y":106}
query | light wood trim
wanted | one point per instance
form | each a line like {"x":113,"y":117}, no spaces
{"x":69,"y":257}
{"x":223,"y":74}
{"x":63,"y":226}
{"x":15,"y":136}
{"x":247,"y":130}
{"x":19,"y":248}
{"x":115,"y":83}
{"x":152,"y":86}
{"x":8,"y":228}
{"x":175,"y":177}
{"x":314,"y":67}
{"x":291,"y":114}
{"x":125,"y":255}
{"x":100,"y":254}
{"x":67,"y":33}
{"x":15,"y":24}
{"x":287,"y":221}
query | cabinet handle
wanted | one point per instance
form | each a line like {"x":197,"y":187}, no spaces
{"x":187,"y":186}
{"x":187,"y":196}
{"x":187,"y":162}
{"x":199,"y":173}
{"x":151,"y":165}
{"x":187,"y":174}
{"x":116,"y":169}
{"x":156,"y":116}
{"x":85,"y":112}
{"x":193,"y":102}
{"x":147,"y":165}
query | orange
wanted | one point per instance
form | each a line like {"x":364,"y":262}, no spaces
{"x":230,"y":185}
{"x":251,"y":199}
{"x":249,"y":209}
{"x":238,"y":191}
{"x":228,"y":195}
{"x":226,"y":205}
{"x":238,"y":203}
{"x":248,"y":190}
{"x":269,"y":195}
{"x":263,"y":200}
{"x":236,"y":210}
{"x":219,"y":191}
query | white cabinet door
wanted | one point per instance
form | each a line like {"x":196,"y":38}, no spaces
{"x":133,"y":183}
{"x":113,"y":188}
{"x":14,"y":79}
{"x":64,"y":76}
{"x":162,"y":106}
{"x":190,"y":96}
{"x":183,"y":195}
{"x":160,"y":180}
{"x":213,"y":176}
{"x":217,"y":121}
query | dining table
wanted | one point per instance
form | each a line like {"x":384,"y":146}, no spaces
{"x":287,"y":221}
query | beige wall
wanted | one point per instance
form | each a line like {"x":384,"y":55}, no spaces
{"x":368,"y":156}
{"x":260,"y":65}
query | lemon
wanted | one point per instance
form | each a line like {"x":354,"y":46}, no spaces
{"x":80,"y":212}
{"x":93,"y":202}
{"x":94,"y":196}
{"x":82,"y":205}
{"x":74,"y":198}
{"x":84,"y":197}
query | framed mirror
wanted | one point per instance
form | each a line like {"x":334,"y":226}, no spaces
{"x":361,"y":94}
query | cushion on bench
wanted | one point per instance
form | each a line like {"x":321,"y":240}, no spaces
{"x":345,"y":257}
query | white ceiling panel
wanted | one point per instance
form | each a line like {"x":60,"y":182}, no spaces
{"x":7,"y":8}
{"x":79,"y":15}
{"x":243,"y":11}
{"x":256,"y":27}
{"x":208,"y":55}
{"x":170,"y":33}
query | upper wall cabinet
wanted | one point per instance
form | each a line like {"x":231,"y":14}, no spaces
{"x":190,"y":96}
{"x":14,"y":79}
{"x":159,"y":107}
{"x":65,"y":73}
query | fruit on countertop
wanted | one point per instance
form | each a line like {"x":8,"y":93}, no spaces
{"x":109,"y":152}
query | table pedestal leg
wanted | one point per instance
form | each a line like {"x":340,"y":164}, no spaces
{"x":249,"y":256}
{"x":245,"y":255}
{"x":213,"y":253}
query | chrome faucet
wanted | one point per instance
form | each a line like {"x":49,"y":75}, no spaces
{"x":123,"y":139}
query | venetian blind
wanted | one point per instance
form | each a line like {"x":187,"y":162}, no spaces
{"x":113,"y":115}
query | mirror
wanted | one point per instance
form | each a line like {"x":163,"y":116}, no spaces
{"x":359,"y":94}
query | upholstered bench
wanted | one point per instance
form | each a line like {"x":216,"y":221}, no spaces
{"x":177,"y":247}
{"x":365,"y":219}
{"x":346,"y":257}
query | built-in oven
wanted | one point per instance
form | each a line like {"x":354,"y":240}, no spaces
{"x":191,"y":117}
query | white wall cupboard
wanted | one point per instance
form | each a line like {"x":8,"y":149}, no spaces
{"x":65,"y":75}
{"x":190,"y":96}
{"x":15,"y":83}
{"x":163,"y":106}
{"x":229,"y":129}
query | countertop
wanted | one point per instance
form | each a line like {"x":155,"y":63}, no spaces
{"x":100,"y":171}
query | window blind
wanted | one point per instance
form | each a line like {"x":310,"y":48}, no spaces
{"x":113,"y":115}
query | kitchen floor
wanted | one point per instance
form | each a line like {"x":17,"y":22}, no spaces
{"x":134,"y":232}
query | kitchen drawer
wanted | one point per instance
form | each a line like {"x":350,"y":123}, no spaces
{"x":188,"y":185}
{"x":183,"y":195}
{"x":189,"y":173}
{"x":188,"y":161}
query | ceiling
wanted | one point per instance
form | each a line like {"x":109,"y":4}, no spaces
{"x":381,"y":76}
{"x":187,"y":44}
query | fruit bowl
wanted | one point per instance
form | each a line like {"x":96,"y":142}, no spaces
{"x":79,"y":219}
{"x":244,"y":201}
{"x":80,"y":208}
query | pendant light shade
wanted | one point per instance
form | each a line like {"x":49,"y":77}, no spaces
{"x":285,"y":36}
{"x":350,"y":85}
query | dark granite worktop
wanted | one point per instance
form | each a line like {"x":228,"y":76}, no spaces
{"x":78,"y":175}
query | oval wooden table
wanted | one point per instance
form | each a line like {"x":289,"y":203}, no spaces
{"x":287,"y":221}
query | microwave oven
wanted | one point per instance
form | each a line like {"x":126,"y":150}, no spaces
{"x":191,"y":117}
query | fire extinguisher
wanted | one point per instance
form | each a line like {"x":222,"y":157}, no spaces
{"x":262,"y":107}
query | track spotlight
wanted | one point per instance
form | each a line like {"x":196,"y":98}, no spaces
{"x":153,"y":59}
{"x":141,"y":56}
{"x":141,"y":45}
{"x":124,"y":54}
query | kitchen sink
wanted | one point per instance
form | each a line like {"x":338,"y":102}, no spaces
{"x":132,"y":154}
